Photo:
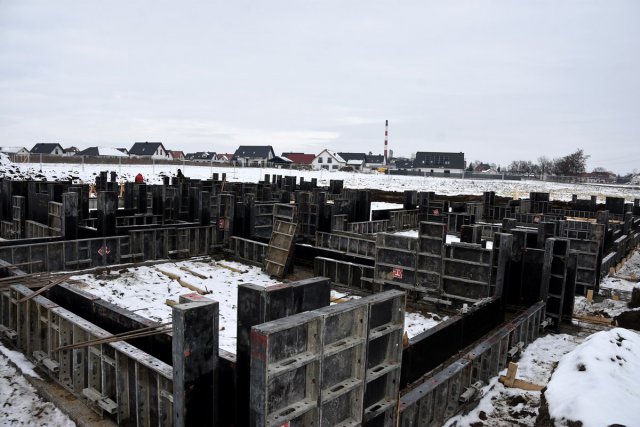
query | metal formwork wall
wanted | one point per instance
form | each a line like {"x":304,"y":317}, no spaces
{"x":345,"y":243}
{"x":406,"y":219}
{"x":115,"y":378}
{"x":441,"y":396}
{"x":338,"y":365}
{"x":466,"y":271}
{"x":85,"y":253}
{"x":368,"y":227}
{"x":587,"y":265}
{"x":432,"y":237}
{"x":344,"y":273}
{"x":396,"y":258}
{"x":248,"y":250}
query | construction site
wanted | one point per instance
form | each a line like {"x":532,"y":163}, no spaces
{"x":291,"y":303}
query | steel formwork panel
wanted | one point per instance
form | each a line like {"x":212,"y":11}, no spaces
{"x":115,"y":378}
{"x":467,"y":271}
{"x":395,"y":261}
{"x":338,"y":365}
{"x":345,"y":243}
{"x":439,"y":396}
{"x":343,"y":273}
{"x":431,"y":242}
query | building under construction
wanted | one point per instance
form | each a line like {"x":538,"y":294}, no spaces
{"x":299,"y":360}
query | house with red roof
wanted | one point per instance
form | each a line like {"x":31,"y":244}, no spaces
{"x":300,"y":158}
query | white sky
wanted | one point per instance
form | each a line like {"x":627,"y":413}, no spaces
{"x":498,"y":80}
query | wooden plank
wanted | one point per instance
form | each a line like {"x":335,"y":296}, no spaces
{"x":511,"y":381}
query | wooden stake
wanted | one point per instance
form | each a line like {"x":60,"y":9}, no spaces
{"x":182,"y":282}
{"x":510,"y":379}
{"x":590,"y":295}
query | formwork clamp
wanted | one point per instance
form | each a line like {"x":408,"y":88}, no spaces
{"x":9,"y":333}
{"x":546,"y":322}
{"x":470,"y":391}
{"x":515,"y":350}
{"x":43,"y":359}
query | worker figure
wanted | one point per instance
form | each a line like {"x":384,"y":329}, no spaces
{"x":180,"y":175}
{"x":139,"y":178}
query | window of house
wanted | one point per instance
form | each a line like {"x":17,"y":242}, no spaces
{"x":325,"y":167}
{"x":329,"y":160}
{"x":319,"y":159}
{"x":335,"y":167}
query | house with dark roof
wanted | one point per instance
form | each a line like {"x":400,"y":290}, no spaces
{"x":150,"y":150}
{"x":51,"y":149}
{"x":354,"y":160}
{"x":71,"y":151}
{"x":373,"y":161}
{"x":101,"y":152}
{"x":329,"y":160}
{"x":430,"y":161}
{"x":202,"y":156}
{"x":300,"y":158}
{"x":254,"y":155}
{"x":403,"y":164}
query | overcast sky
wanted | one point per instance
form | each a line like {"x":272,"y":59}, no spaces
{"x":497,"y":80}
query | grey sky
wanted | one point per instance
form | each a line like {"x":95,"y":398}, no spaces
{"x":498,"y":80}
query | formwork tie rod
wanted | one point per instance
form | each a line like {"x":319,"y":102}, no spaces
{"x":45,"y":287}
{"x":137,"y":333}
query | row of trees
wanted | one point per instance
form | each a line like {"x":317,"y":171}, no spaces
{"x":569,"y":165}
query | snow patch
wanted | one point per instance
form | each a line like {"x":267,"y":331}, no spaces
{"x":597,"y":382}
{"x":20,"y":361}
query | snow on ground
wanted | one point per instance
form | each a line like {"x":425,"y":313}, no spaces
{"x":20,"y":404}
{"x":445,"y":186}
{"x":416,"y":323}
{"x":506,"y":407}
{"x":145,"y":290}
{"x":597,"y":383}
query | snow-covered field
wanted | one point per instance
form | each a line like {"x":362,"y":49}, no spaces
{"x":444,"y":186}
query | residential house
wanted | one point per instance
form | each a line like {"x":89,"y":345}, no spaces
{"x":300,"y":158}
{"x":71,"y":151}
{"x":123,"y":150}
{"x":150,"y":150}
{"x":373,"y":161}
{"x":427,"y":161}
{"x":176,"y":155}
{"x":202,"y":156}
{"x":16,"y":154}
{"x":254,"y":155}
{"x":354,"y":160}
{"x":224,"y":157}
{"x":328,"y":160}
{"x":403,"y":164}
{"x":51,"y":149}
{"x":101,"y":152}
{"x":282,"y":162}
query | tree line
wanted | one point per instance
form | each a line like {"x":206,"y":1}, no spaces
{"x":570,"y":165}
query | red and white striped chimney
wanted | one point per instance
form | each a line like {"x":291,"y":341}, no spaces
{"x":386,"y":141}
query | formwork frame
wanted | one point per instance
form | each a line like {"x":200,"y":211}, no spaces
{"x":439,"y":397}
{"x":114,"y":378}
{"x":337,"y":365}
